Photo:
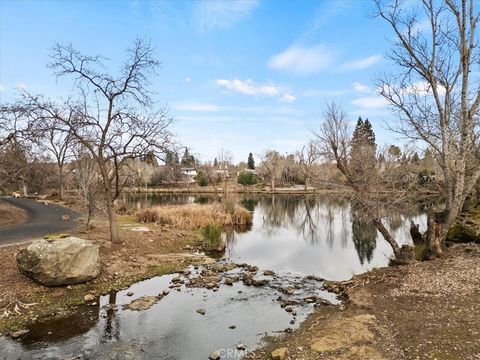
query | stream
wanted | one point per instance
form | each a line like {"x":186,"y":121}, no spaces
{"x":299,"y":240}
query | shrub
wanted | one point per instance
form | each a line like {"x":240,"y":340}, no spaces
{"x":201,"y":179}
{"x":212,"y":237}
{"x":246,"y":178}
{"x":194,"y":216}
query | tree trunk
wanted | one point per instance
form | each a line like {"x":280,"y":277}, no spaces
{"x":388,"y":237}
{"x":436,"y":232}
{"x":24,"y":189}
{"x":112,"y":218}
{"x":60,"y":182}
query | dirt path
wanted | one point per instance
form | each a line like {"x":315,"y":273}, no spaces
{"x":428,"y":310}
{"x":41,"y":220}
{"x":10,"y":215}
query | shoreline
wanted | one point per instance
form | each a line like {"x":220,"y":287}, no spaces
{"x":426,"y":310}
{"x":142,"y":255}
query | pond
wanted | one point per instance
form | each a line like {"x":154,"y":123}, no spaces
{"x":294,"y":236}
{"x":304,"y":234}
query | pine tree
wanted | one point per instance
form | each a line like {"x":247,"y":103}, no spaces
{"x":187,"y":159}
{"x":215,"y":162}
{"x":251,"y":162}
{"x":364,"y":148}
{"x":369,"y":135}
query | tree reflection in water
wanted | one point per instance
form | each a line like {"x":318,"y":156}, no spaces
{"x":112,"y":322}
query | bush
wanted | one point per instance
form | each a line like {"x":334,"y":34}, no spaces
{"x":201,"y":179}
{"x":212,"y":236}
{"x":246,"y":178}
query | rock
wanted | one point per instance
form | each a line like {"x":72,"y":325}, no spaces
{"x":140,"y":229}
{"x":280,"y":354}
{"x":268,"y":273}
{"x":247,"y":278}
{"x":289,"y":290}
{"x":130,"y":293}
{"x":166,"y":292}
{"x":314,"y":277}
{"x":89,"y":298}
{"x":288,"y":309}
{"x":232,"y":327}
{"x":201,"y":311}
{"x":143,"y":303}
{"x":60,"y":262}
{"x":66,"y":217}
{"x":258,"y":282}
{"x":176,"y":279}
{"x":228,"y":281}
{"x":215,"y":355}
{"x":19,"y":333}
{"x":241,"y":346}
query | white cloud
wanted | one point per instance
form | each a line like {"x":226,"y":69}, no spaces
{"x":361,"y":88}
{"x":303,"y":60}
{"x":2,"y":88}
{"x":199,"y":107}
{"x":288,"y":98}
{"x":248,"y":87}
{"x":370,"y":102}
{"x":360,"y":64}
{"x":212,"y":14}
{"x":21,"y":86}
{"x":421,"y":88}
{"x":187,"y":79}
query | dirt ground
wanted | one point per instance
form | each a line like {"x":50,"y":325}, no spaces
{"x":428,"y":310}
{"x":142,"y":255}
{"x":10,"y":215}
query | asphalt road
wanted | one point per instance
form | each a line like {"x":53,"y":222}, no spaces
{"x":41,"y":220}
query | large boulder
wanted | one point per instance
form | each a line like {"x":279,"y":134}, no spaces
{"x":60,"y":262}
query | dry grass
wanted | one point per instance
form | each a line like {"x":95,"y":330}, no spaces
{"x":194,"y":216}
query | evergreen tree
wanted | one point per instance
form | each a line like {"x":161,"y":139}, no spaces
{"x":357,"y":133}
{"x":215,"y":162}
{"x":188,"y":160}
{"x":251,"y":162}
{"x":368,"y":133}
{"x":168,"y":158}
{"x":363,"y":151}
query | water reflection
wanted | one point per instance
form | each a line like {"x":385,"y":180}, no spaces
{"x":323,"y":235}
{"x":112,"y":322}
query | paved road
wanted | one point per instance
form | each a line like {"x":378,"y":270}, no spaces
{"x":41,"y":220}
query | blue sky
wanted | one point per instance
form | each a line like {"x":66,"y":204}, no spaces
{"x":244,"y":76}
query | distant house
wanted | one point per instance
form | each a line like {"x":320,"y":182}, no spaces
{"x":190,"y":173}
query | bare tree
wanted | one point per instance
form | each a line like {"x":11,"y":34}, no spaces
{"x":334,"y":141}
{"x":224,"y":161}
{"x":271,"y":167}
{"x":307,"y":157}
{"x":58,"y":143}
{"x":87,"y":184}
{"x":436,"y":94}
{"x":14,"y":123}
{"x":108,"y":115}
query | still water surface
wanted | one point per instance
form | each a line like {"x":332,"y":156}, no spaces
{"x":291,"y":235}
